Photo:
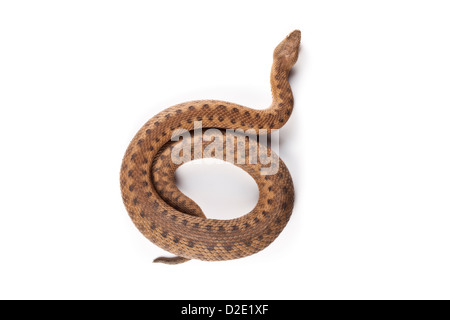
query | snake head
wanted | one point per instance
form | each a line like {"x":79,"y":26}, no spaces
{"x":287,"y":51}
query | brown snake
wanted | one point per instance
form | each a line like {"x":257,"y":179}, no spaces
{"x":176,"y":223}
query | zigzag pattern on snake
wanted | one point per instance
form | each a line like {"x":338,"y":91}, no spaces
{"x":174,"y":222}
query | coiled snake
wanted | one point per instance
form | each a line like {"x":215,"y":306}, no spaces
{"x":173,"y":221}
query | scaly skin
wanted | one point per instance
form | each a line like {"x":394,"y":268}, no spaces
{"x":176,"y":223}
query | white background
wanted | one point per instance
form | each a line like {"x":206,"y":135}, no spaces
{"x":367,"y":145}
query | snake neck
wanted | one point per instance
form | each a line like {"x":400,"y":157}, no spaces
{"x":285,"y":56}
{"x":282,"y":98}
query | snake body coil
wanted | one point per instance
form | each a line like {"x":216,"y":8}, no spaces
{"x":173,"y":221}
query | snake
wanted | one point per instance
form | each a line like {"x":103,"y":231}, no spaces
{"x":173,"y":221}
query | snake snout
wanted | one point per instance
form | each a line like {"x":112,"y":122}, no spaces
{"x":295,"y":36}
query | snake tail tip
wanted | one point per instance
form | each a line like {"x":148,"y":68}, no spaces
{"x":172,"y":260}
